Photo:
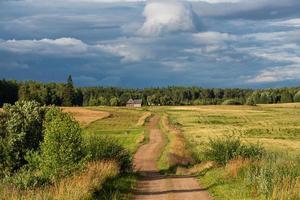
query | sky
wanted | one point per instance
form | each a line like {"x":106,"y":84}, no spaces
{"x":138,"y":43}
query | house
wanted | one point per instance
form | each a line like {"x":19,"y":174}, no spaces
{"x":136,"y":103}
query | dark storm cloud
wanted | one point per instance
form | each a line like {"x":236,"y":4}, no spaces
{"x":137,"y":44}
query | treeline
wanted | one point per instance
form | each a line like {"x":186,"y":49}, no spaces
{"x":65,"y":94}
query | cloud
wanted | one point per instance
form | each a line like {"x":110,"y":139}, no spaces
{"x":213,"y":37}
{"x":129,"y":53}
{"x":168,"y":16}
{"x":276,"y":74}
{"x":291,"y":23}
{"x":61,"y":46}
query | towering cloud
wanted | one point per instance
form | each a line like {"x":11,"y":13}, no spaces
{"x":168,"y":16}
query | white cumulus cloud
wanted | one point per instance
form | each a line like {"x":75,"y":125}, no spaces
{"x":60,"y":46}
{"x":168,"y":16}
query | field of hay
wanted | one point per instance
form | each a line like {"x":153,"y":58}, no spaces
{"x":84,"y":115}
{"x":124,"y":125}
{"x":276,"y":127}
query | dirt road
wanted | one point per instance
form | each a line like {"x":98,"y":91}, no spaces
{"x":152,"y":185}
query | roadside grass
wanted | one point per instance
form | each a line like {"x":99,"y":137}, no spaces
{"x":81,"y":185}
{"x":128,"y":128}
{"x":117,"y":188}
{"x":275,"y":127}
{"x":176,"y":153}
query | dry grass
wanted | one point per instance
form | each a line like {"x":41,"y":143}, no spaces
{"x":289,"y":189}
{"x":85,"y":116}
{"x":233,"y":167}
{"x":178,"y":153}
{"x":77,"y":187}
{"x":196,"y":169}
{"x":142,"y":119}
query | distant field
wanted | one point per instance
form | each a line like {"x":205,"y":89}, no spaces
{"x":277,"y":127}
{"x":85,"y":116}
{"x":125,"y":125}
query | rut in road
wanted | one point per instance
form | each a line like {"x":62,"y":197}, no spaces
{"x":154,"y":186}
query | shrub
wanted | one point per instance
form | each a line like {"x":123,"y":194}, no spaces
{"x":99,"y":148}
{"x":231,"y":102}
{"x":62,"y":148}
{"x":297,"y":97}
{"x":21,"y":132}
{"x":222,"y":150}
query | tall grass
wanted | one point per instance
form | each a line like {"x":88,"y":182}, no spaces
{"x":275,"y":177}
{"x":77,"y":187}
{"x":223,"y":149}
{"x":176,"y":153}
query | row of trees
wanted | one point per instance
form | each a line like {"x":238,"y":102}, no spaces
{"x":65,"y":94}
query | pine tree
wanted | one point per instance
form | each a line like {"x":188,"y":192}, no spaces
{"x":69,"y":93}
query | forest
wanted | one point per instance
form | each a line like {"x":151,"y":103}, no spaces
{"x":66,"y":94}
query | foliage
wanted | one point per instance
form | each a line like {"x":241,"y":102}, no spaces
{"x":114,"y":101}
{"x":22,"y":132}
{"x":297,"y":97}
{"x":250,"y":101}
{"x":66,"y":94}
{"x":222,"y":150}
{"x":8,"y":92}
{"x":62,"y":148}
{"x":99,"y":148}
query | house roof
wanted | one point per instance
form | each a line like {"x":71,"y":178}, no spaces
{"x":135,"y":101}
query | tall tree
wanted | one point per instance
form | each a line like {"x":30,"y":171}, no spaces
{"x":69,"y":93}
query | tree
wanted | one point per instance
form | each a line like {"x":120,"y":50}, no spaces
{"x":23,"y":131}
{"x":297,"y":97}
{"x":69,"y":93}
{"x":102,"y":101}
{"x":286,"y":97}
{"x":250,"y":101}
{"x":114,"y":101}
{"x":62,"y":148}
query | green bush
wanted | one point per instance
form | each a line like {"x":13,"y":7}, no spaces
{"x":222,"y":150}
{"x":231,"y":102}
{"x":21,"y":132}
{"x":62,"y":148}
{"x":99,"y":148}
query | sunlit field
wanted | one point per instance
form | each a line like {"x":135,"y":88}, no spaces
{"x":124,"y":125}
{"x":274,"y":127}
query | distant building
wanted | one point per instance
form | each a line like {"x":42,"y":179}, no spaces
{"x":136,"y":103}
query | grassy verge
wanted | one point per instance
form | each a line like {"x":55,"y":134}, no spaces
{"x":127,"y":127}
{"x":176,"y":152}
{"x":117,"y":188}
{"x":79,"y":186}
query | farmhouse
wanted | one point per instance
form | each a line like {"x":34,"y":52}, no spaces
{"x":136,"y":103}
